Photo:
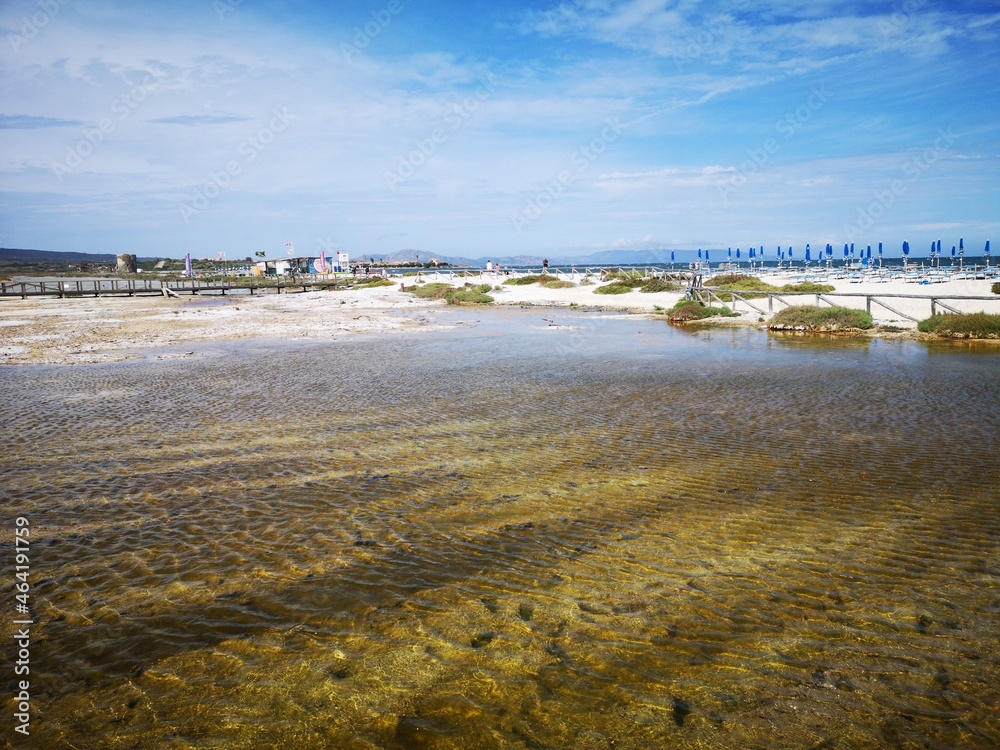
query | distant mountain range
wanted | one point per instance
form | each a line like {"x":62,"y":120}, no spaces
{"x":604,"y":257}
{"x":46,"y":256}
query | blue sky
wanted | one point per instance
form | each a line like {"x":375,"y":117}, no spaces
{"x":485,"y":129}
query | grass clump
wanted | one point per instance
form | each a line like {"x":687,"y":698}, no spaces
{"x":739,"y":282}
{"x":813,"y":318}
{"x":995,"y":288}
{"x":467,"y":295}
{"x":374,"y":283}
{"x":435,"y":290}
{"x":621,"y":282}
{"x":658,"y":285}
{"x":969,"y":326}
{"x":470,"y":295}
{"x":553,"y":283}
{"x":615,"y":287}
{"x":686,"y":310}
{"x":524,"y":280}
{"x":547,"y":280}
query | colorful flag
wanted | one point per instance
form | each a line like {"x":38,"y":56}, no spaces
{"x":291,"y":250}
{"x":322,"y":261}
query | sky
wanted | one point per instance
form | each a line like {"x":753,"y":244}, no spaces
{"x":482,"y":129}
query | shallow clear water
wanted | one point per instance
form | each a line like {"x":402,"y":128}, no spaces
{"x":604,"y":533}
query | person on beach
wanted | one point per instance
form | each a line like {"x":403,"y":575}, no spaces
{"x":545,"y":265}
{"x":489,"y":266}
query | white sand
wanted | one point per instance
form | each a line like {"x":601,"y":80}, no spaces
{"x":847,"y":294}
{"x":49,"y":330}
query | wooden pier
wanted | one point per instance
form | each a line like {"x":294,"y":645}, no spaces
{"x":711,"y":296}
{"x":145,"y":287}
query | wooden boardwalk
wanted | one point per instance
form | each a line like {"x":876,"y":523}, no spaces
{"x":145,"y":287}
{"x":711,"y":296}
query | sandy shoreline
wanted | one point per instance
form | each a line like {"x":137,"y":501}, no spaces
{"x":77,"y":331}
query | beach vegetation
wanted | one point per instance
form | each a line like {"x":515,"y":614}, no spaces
{"x":615,"y":287}
{"x":468,"y":295}
{"x":435,"y":290}
{"x":558,"y":284}
{"x":995,"y":288}
{"x":651,"y":286}
{"x":814,"y":318}
{"x":686,"y":310}
{"x":371,"y":283}
{"x":545,"y":279}
{"x":979,"y":325}
{"x":747,"y":285}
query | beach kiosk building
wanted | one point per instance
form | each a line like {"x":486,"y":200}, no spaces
{"x":283,"y":266}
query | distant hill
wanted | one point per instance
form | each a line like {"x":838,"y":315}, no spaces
{"x":602,"y":258}
{"x":46,"y":256}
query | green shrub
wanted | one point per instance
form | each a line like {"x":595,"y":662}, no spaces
{"x":435,"y":290}
{"x":374,"y":283}
{"x":995,"y":288}
{"x":545,"y":279}
{"x":615,"y":287}
{"x":658,"y":285}
{"x":969,"y":326}
{"x":685,"y":310}
{"x":813,"y":318}
{"x":469,"y":296}
{"x":738,"y":282}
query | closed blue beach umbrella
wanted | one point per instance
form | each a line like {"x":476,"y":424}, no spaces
{"x":961,"y":246}
{"x":847,"y":251}
{"x":706,"y":255}
{"x":807,"y":252}
{"x":671,"y":256}
{"x":952,"y":253}
{"x":737,"y":253}
{"x":939,"y":247}
{"x":699,"y":253}
{"x":986,"y":251}
{"x":729,"y":253}
{"x":852,"y":251}
{"x":829,"y":250}
{"x":868,"y":251}
{"x":880,"y":249}
{"x":906,"y":249}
